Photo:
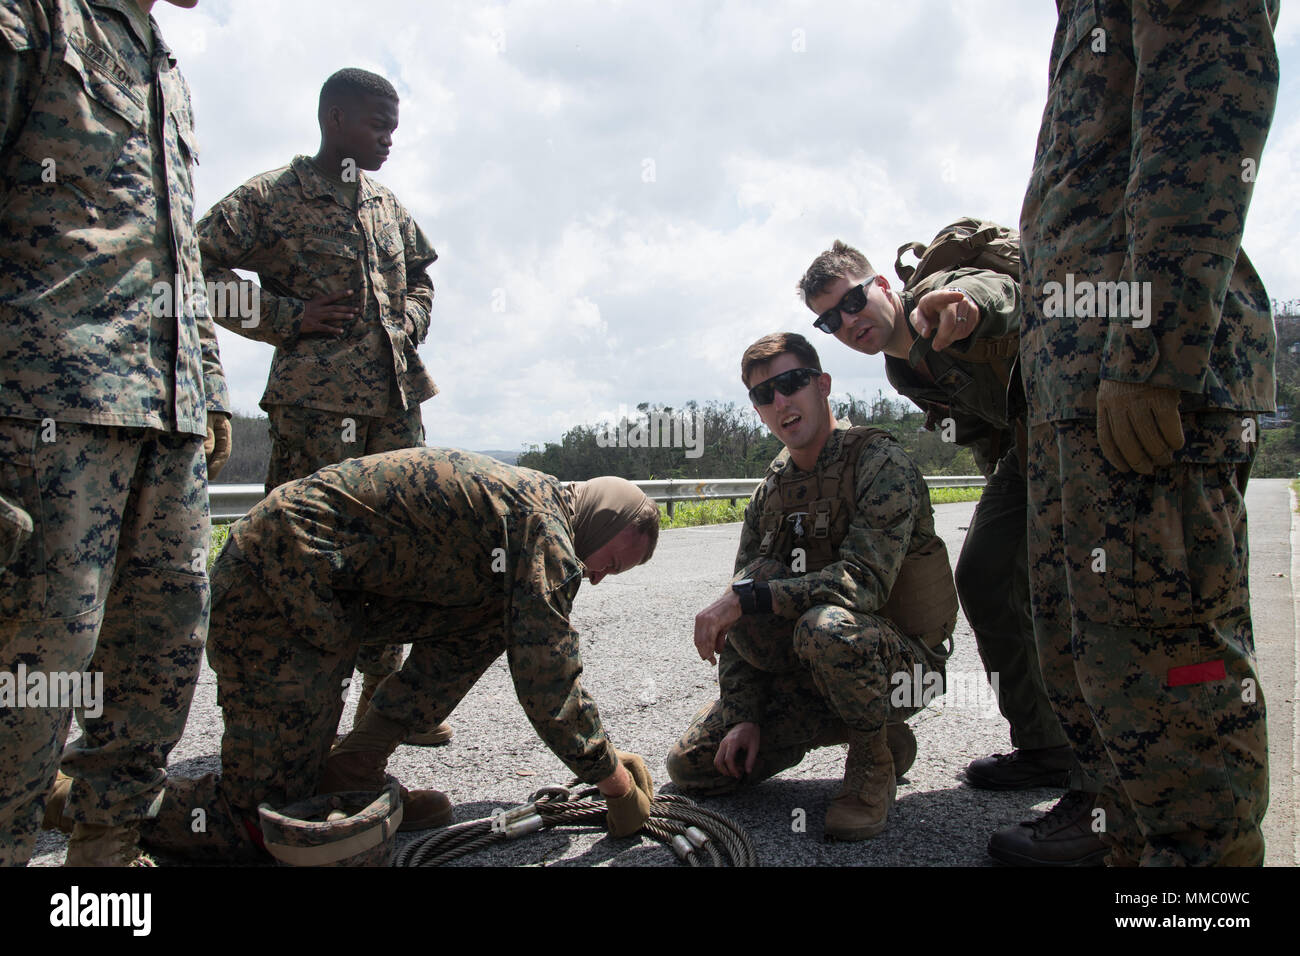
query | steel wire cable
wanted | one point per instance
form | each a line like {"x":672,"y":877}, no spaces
{"x":697,"y":835}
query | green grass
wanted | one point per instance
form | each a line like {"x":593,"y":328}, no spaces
{"x":1295,"y":486}
{"x":689,"y":515}
{"x":220,"y":532}
{"x":946,"y":496}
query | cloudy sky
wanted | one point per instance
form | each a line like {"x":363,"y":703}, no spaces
{"x":623,"y":194}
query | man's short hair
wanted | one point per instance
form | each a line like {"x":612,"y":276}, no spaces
{"x":349,"y":83}
{"x":771,"y":346}
{"x":646,"y":521}
{"x":837,"y":262}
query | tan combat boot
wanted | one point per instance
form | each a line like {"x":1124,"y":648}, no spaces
{"x":421,"y":809}
{"x":860,"y":809}
{"x":902,"y":747}
{"x":56,"y":803}
{"x":426,"y":738}
{"x":902,"y":742}
{"x":359,"y":761}
{"x":95,"y":845}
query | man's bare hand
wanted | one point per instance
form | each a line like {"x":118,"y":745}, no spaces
{"x":323,"y":316}
{"x":947,"y":314}
{"x":713,"y":623}
{"x":738,"y":751}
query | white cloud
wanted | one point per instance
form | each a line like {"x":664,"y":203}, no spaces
{"x":773,"y":127}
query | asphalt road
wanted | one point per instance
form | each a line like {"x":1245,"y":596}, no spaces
{"x":643,"y":671}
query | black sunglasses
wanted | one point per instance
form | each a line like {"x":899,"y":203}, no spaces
{"x":787,"y":383}
{"x":852,"y":302}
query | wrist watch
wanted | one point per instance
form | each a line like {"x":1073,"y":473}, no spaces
{"x":755,"y":596}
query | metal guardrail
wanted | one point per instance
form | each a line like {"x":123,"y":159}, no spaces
{"x":232,"y":502}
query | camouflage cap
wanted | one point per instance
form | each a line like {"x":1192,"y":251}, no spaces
{"x":335,"y":829}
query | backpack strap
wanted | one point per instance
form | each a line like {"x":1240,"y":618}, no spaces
{"x":905,"y":273}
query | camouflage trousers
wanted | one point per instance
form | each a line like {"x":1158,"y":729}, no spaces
{"x":1142,"y":617}
{"x":992,"y":578}
{"x":304,"y":440}
{"x":282,"y":697}
{"x":850,"y":670}
{"x":110,"y":593}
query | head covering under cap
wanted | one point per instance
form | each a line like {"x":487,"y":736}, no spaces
{"x":602,"y":507}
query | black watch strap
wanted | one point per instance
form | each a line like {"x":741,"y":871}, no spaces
{"x":745,"y":592}
{"x":755,"y":596}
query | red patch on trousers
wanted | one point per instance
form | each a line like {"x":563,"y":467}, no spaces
{"x":1196,"y":673}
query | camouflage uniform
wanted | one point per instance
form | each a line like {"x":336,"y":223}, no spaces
{"x":1139,"y":177}
{"x":992,"y":572}
{"x":824,"y":664}
{"x":328,"y":398}
{"x":103,"y":406}
{"x":460,"y":555}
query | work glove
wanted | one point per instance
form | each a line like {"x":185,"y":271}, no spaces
{"x":217,"y":445}
{"x":1138,"y":425}
{"x":628,"y":814}
{"x":15,"y":528}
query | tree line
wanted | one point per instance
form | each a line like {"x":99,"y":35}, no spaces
{"x":716,"y":440}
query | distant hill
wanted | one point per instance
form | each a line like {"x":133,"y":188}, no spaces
{"x":509,"y":457}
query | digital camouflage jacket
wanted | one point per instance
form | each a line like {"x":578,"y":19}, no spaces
{"x":466,"y":544}
{"x":102,"y":316}
{"x":972,"y":393}
{"x":302,"y":236}
{"x":1131,"y":262}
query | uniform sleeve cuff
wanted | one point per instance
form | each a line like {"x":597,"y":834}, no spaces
{"x":598,"y":768}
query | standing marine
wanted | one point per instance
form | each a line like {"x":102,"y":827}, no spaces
{"x":345,"y":298}
{"x":1148,"y":352}
{"x":110,"y":387}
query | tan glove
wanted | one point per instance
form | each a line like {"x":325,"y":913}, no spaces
{"x":1138,"y":425}
{"x":628,"y":814}
{"x":15,"y":528}
{"x":217,"y":445}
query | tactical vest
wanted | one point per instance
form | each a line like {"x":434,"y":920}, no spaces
{"x":812,"y":512}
